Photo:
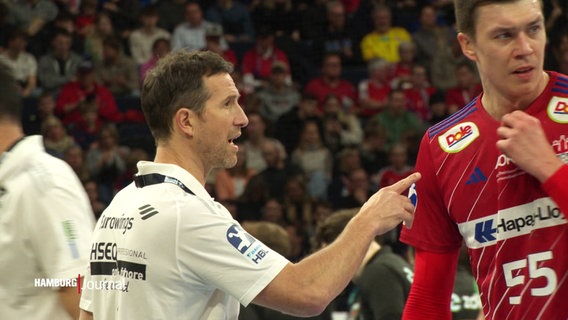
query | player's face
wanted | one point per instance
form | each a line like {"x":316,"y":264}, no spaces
{"x":220,"y":123}
{"x":509,"y":48}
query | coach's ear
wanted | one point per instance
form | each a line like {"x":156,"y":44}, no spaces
{"x":184,"y":121}
{"x":467,"y":46}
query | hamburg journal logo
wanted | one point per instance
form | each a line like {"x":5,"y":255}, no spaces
{"x":558,"y":109}
{"x":458,"y":137}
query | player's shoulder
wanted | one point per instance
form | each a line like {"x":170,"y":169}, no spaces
{"x":462,"y":115}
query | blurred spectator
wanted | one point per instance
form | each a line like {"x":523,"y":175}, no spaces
{"x":418,"y":91}
{"x":383,"y":41}
{"x":32,"y":15}
{"x":75,"y":157}
{"x":235,"y":19}
{"x":160,"y":48}
{"x":55,"y":137}
{"x":94,"y":41}
{"x":250,"y":203}
{"x":397,"y":169}
{"x":438,"y":107}
{"x":92,"y":190}
{"x":230,"y":183}
{"x":431,"y":38}
{"x":131,"y":160}
{"x":214,"y":42}
{"x":380,"y":265}
{"x":346,"y":161}
{"x":314,"y":158}
{"x":277,"y":97}
{"x":313,"y":20}
{"x":558,"y":45}
{"x":171,"y":13}
{"x":373,"y":149}
{"x":255,"y":137}
{"x":60,"y":65}
{"x":397,"y":120}
{"x":563,"y":62}
{"x":34,"y":114}
{"x":38,"y":45}
{"x":374,"y":91}
{"x":278,"y":14}
{"x":330,"y":82}
{"x":556,"y":14}
{"x":22,"y":65}
{"x":116,"y":71}
{"x":124,"y":16}
{"x":190,"y":35}
{"x":85,"y":131}
{"x":403,"y":68}
{"x":85,"y":20}
{"x":273,"y":212}
{"x":105,"y":160}
{"x":340,"y":129}
{"x":289,"y":125}
{"x":257,"y":62}
{"x":322,"y":210}
{"x":5,"y":26}
{"x":357,"y":190}
{"x":75,"y":95}
{"x":338,"y":36}
{"x":298,"y":204}
{"x":468,"y":87}
{"x":141,"y":40}
{"x":299,"y":240}
{"x":277,"y":170}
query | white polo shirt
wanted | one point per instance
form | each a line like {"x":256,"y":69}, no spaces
{"x":45,"y":231}
{"x":169,"y":251}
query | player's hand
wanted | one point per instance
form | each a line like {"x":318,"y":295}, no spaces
{"x":523,"y":140}
{"x":389,"y":208}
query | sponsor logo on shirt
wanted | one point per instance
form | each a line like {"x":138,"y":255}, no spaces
{"x":558,"y":109}
{"x":560,"y":145}
{"x":458,"y":137}
{"x":120,"y":223}
{"x":506,"y":168}
{"x":476,"y":177}
{"x":104,"y":261}
{"x":511,"y":222}
{"x":246,"y":244}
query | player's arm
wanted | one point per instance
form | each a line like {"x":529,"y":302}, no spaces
{"x":85,"y":315}
{"x":307,"y":287}
{"x":522,"y":139}
{"x":431,"y":290}
{"x":70,"y":301}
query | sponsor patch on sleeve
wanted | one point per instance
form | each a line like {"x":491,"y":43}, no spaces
{"x":458,"y":137}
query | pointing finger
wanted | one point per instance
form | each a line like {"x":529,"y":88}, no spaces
{"x":405,"y":183}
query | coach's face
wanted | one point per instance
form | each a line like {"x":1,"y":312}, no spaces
{"x":221,"y":123}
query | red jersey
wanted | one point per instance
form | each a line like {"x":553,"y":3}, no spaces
{"x":344,"y":90}
{"x":517,"y":237}
{"x":260,"y":66}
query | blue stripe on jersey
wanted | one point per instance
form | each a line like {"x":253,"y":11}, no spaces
{"x":560,"y":84}
{"x":560,"y":90}
{"x":562,"y":78}
{"x":453,"y":119}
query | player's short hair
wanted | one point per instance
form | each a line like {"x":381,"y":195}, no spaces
{"x":466,"y":13}
{"x":176,"y":82}
{"x":11,"y":101}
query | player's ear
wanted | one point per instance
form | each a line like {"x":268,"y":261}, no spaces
{"x":184,"y":121}
{"x":466,"y":45}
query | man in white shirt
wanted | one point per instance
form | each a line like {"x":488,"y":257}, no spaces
{"x":46,"y":222}
{"x":167,"y":250}
{"x":190,"y":35}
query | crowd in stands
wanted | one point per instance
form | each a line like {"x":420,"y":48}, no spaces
{"x":338,"y":92}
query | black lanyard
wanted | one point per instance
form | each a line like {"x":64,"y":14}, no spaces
{"x":155,"y":178}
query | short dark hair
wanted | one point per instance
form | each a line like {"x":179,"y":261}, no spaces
{"x":176,"y":82}
{"x":11,"y":101}
{"x":466,"y":13}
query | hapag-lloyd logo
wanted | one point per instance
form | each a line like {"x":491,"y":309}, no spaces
{"x":558,"y":109}
{"x":458,"y":137}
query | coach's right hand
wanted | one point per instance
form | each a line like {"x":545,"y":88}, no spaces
{"x":387,"y":207}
